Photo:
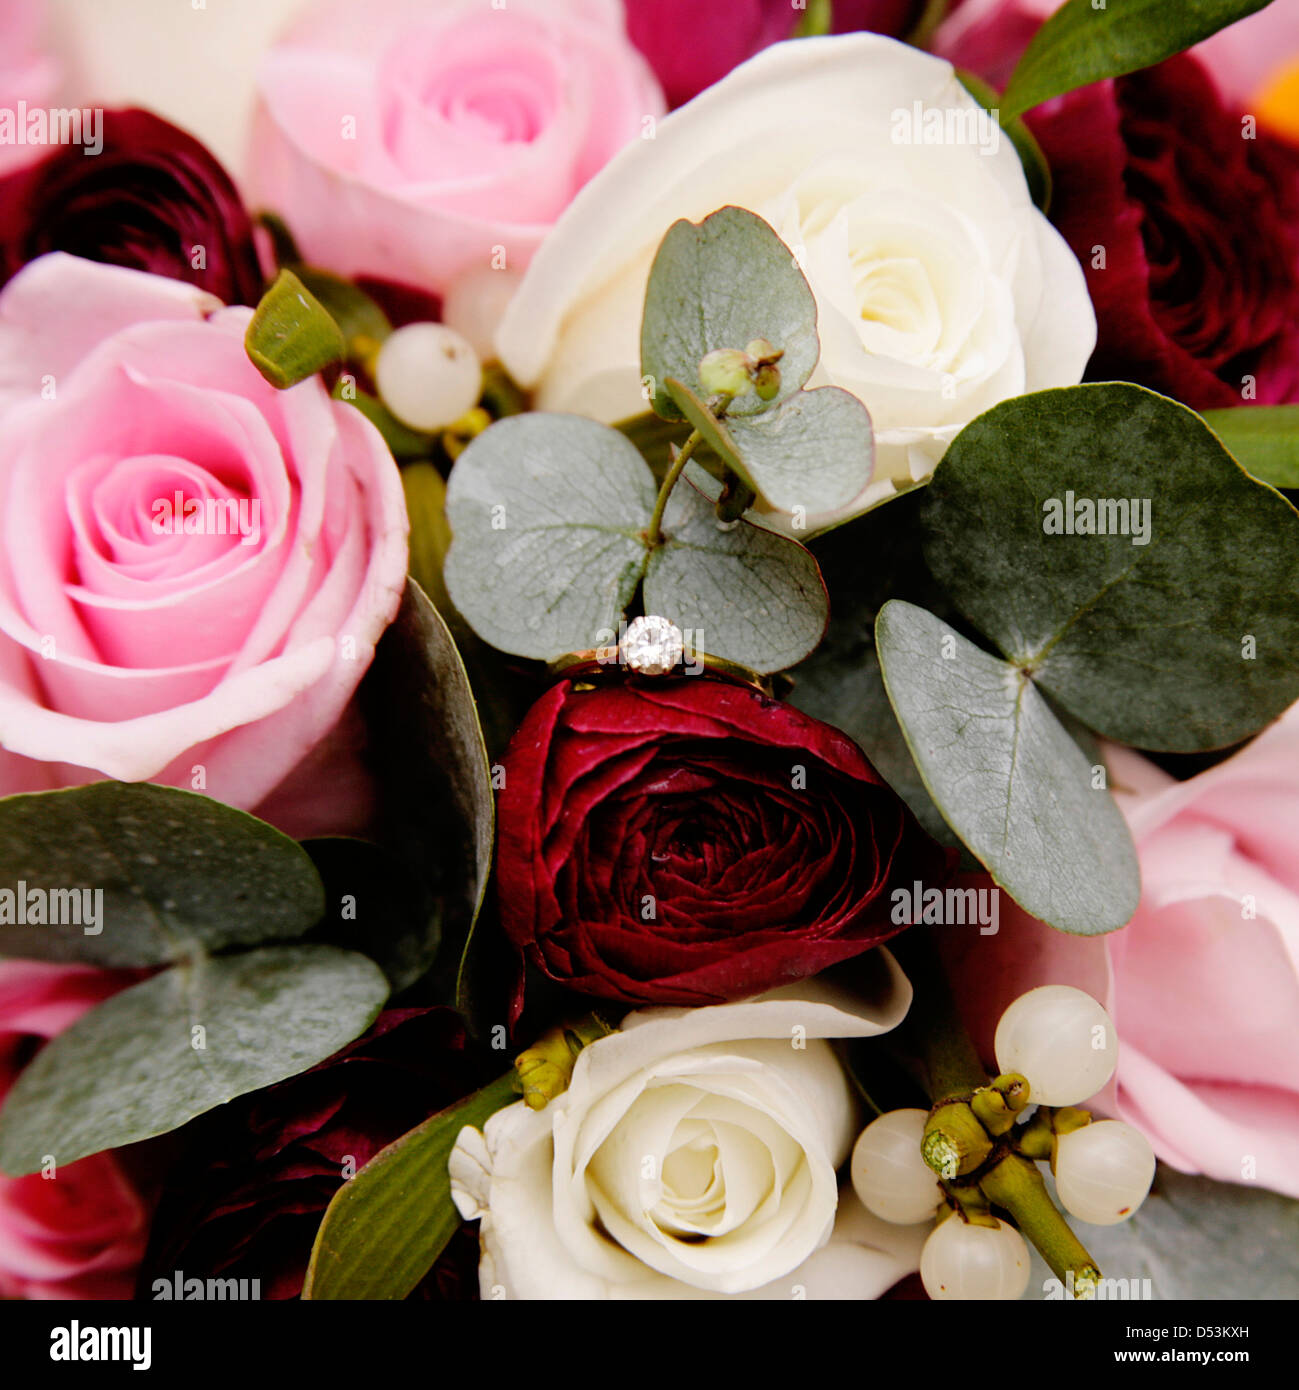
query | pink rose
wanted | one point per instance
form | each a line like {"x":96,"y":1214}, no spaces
{"x":27,"y":72}
{"x":1203,"y":983}
{"x":408,"y":139}
{"x":145,"y":637}
{"x":80,"y":1233}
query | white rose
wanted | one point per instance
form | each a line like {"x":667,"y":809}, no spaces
{"x":692,"y":1156}
{"x":940,"y":288}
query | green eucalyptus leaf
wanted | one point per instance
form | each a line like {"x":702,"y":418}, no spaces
{"x":864,"y":564}
{"x":179,"y":873}
{"x":1176,"y":631}
{"x":437,"y":802}
{"x":1082,"y":43}
{"x":712,"y":430}
{"x":1194,"y":1238}
{"x":813,"y":453}
{"x":291,"y":335}
{"x":1007,"y":776}
{"x":386,"y":1227}
{"x":1264,"y":438}
{"x":548,"y":514}
{"x":809,"y":455}
{"x":721,"y":284}
{"x":154,"y":1056}
{"x":742,"y":592}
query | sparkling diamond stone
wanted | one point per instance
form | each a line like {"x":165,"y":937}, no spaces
{"x":652,"y":646}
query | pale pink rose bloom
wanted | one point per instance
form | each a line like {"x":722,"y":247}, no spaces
{"x":27,"y":71}
{"x":81,"y":1232}
{"x":410,"y":139}
{"x":1203,"y":983}
{"x":129,"y":649}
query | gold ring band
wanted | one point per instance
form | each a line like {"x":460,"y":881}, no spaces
{"x":654,"y":649}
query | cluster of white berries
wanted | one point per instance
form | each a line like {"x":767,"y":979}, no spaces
{"x":1063,"y":1042}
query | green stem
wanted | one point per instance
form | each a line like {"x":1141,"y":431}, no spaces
{"x":1015,"y":1184}
{"x":952,"y":1066}
{"x":654,"y":536}
{"x":931,"y":17}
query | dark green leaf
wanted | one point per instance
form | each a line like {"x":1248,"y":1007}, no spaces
{"x":1007,"y":776}
{"x":742,"y":592}
{"x":179,"y":873}
{"x":721,"y":284}
{"x":149,"y":1059}
{"x":1264,"y":438}
{"x":291,"y":335}
{"x":374,"y":904}
{"x":547,"y":513}
{"x":433,"y":769}
{"x":1081,"y":43}
{"x":430,"y":531}
{"x":1176,"y":631}
{"x":403,"y":442}
{"x":386,"y":1226}
{"x":361,"y":321}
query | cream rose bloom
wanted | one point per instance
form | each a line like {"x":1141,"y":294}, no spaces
{"x":694,"y":1155}
{"x":941,"y":290}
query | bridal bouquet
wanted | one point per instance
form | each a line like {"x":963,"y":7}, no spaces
{"x":654,"y":654}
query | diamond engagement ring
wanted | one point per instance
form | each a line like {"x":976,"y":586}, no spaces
{"x":654,"y":647}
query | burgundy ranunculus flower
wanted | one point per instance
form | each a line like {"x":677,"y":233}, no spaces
{"x":692,"y":45}
{"x":153,"y":199}
{"x":1198,"y":294}
{"x":247,"y":1198}
{"x":691,"y":841}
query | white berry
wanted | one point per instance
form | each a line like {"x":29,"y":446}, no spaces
{"x":889,"y":1175}
{"x":428,"y":376}
{"x":1103,"y":1171}
{"x":1062,"y":1040}
{"x":475,"y":305}
{"x":961,"y":1261}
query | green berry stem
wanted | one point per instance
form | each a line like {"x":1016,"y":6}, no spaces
{"x":654,"y":536}
{"x":1015,"y":1184}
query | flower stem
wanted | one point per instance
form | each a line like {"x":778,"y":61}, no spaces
{"x":1015,"y":1184}
{"x":952,"y":1066}
{"x":654,"y":536}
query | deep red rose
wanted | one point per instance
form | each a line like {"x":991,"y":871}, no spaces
{"x":246,"y":1198}
{"x":1199,"y":292}
{"x":692,"y":45}
{"x":149,"y":198}
{"x":691,"y":841}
